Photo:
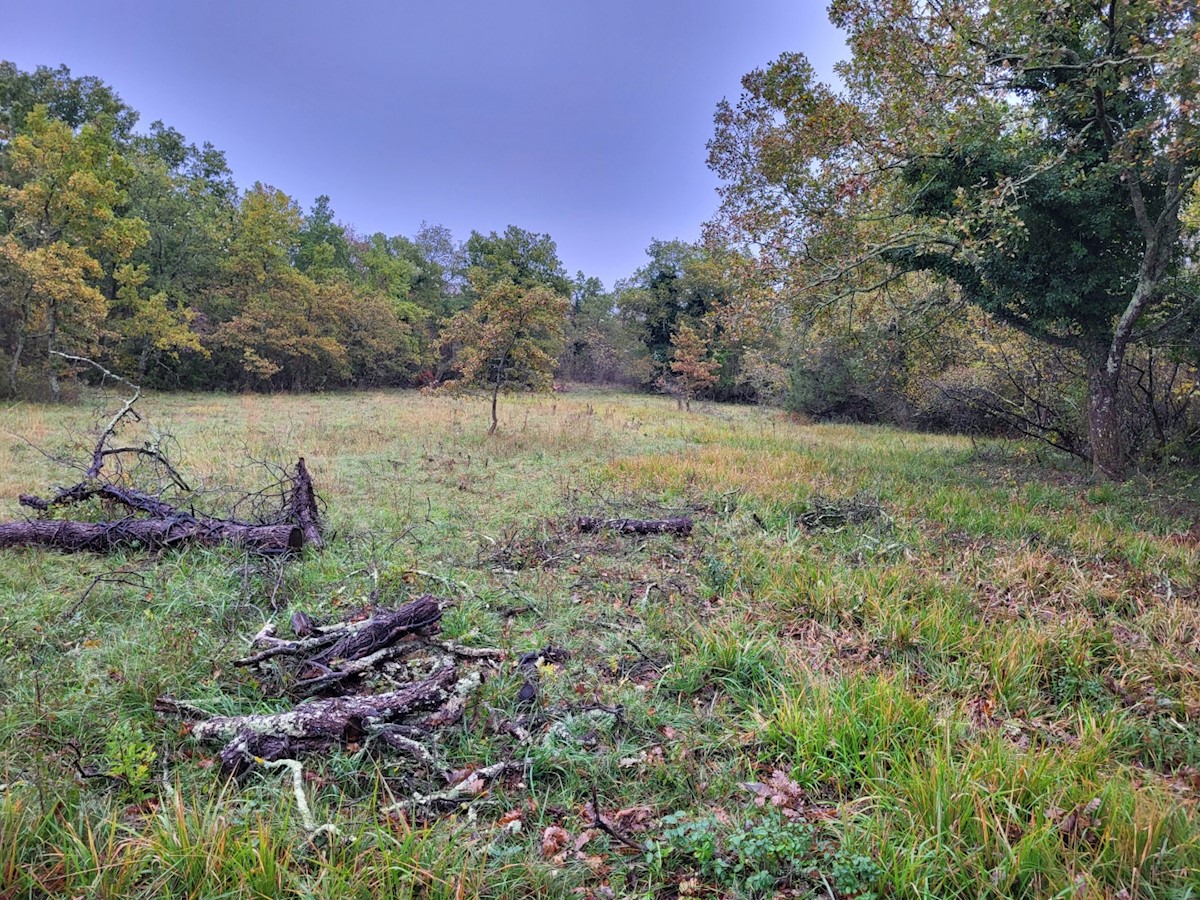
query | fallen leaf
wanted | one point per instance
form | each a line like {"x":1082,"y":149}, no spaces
{"x":554,"y":839}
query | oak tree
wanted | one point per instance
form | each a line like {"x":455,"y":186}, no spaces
{"x":1035,"y":155}
{"x":59,"y":200}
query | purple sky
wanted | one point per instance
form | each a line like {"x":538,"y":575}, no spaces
{"x":585,"y":119}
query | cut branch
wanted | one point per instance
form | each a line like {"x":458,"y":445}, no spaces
{"x":320,"y":724}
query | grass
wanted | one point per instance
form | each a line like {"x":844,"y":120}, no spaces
{"x":975,"y":673}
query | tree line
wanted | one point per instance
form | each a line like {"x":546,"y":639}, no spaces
{"x":989,"y":225}
{"x":1015,"y":177}
{"x":136,"y":249}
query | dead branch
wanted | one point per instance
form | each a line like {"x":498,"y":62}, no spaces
{"x":168,"y":525}
{"x":681,"y":525}
{"x":303,"y":506}
{"x":320,"y":724}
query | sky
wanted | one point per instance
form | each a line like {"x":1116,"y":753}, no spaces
{"x":583,"y":119}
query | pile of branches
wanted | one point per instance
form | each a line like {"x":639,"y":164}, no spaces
{"x":150,"y":520}
{"x":340,"y":669}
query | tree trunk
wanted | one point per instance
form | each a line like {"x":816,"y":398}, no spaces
{"x":1104,"y":415}
{"x":55,"y":389}
{"x":15,"y":363}
{"x":495,"y":394}
{"x":681,"y":525}
{"x":149,"y":534}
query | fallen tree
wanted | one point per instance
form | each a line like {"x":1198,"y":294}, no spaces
{"x":149,"y":534}
{"x":681,"y":525}
{"x":166,"y":525}
{"x":153,"y":522}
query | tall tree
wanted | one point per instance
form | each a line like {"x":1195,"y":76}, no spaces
{"x":1034,"y":154}
{"x":74,"y":101}
{"x":321,"y":246}
{"x":681,"y":284}
{"x":186,"y":196}
{"x":517,"y":257}
{"x":59,"y":200}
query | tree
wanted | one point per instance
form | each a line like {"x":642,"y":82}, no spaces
{"x":510,"y":338}
{"x":1034,"y":155}
{"x":321,"y":246}
{"x":691,"y":364}
{"x":73,"y":101}
{"x":186,"y":196}
{"x":518,"y":257}
{"x":680,"y":283}
{"x":59,"y":201}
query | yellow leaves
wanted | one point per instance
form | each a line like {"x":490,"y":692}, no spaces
{"x":511,"y":336}
{"x":690,"y":361}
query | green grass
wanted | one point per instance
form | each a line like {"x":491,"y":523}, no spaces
{"x":984,"y":682}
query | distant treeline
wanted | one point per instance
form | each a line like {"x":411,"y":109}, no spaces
{"x":135,"y":248}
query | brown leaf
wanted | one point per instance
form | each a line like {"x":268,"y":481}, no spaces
{"x":554,"y":839}
{"x":513,"y":815}
{"x":633,"y":818}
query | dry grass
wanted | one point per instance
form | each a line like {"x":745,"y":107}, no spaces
{"x":987,"y":686}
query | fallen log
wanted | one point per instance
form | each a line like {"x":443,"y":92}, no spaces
{"x":681,"y":525}
{"x":320,"y":724}
{"x":166,"y":525}
{"x":150,"y":534}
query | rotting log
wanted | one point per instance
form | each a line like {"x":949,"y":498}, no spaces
{"x":681,"y":525}
{"x":304,"y":506}
{"x":166,"y":525}
{"x":320,"y":724}
{"x":150,"y":534}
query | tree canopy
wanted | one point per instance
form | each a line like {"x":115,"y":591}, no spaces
{"x":1036,"y":156}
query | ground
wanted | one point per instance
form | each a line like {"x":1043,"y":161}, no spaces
{"x":884,"y":664}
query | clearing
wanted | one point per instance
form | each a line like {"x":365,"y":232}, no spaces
{"x":882,"y":664}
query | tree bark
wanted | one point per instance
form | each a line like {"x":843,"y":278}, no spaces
{"x":15,"y":364}
{"x":1104,"y":416}
{"x":55,"y":388}
{"x":320,"y":724}
{"x":304,"y":506}
{"x":149,"y":534}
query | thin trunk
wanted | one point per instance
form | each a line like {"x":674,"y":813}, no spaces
{"x":15,"y":364}
{"x":500,"y":382}
{"x":144,"y":362}
{"x":1104,"y":416}
{"x":55,"y":388}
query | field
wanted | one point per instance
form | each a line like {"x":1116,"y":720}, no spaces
{"x":884,"y":664}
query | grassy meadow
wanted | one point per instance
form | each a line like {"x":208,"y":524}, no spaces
{"x":884,"y":664}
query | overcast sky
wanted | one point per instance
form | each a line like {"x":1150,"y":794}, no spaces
{"x":585,"y":119}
